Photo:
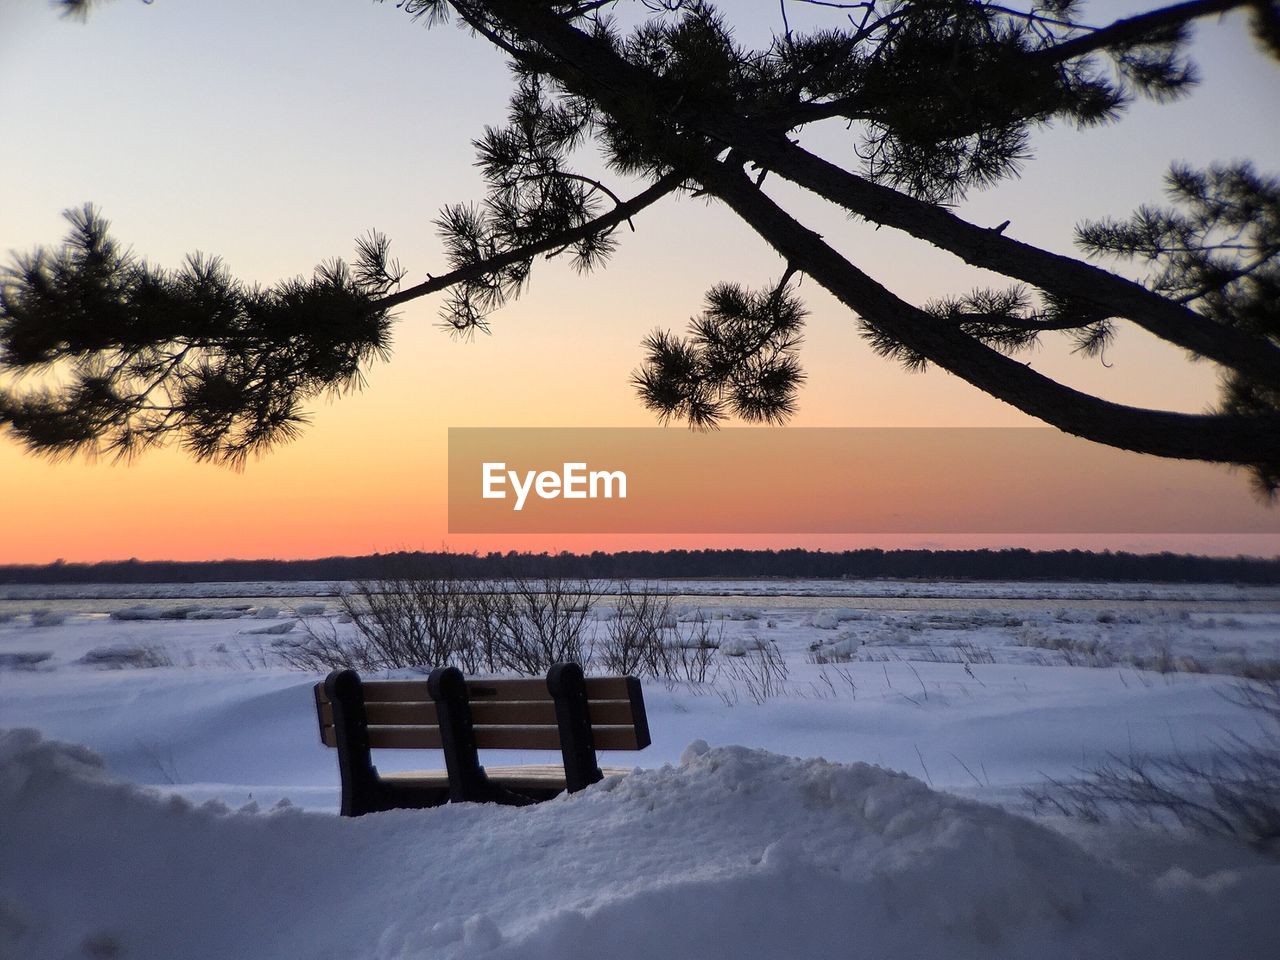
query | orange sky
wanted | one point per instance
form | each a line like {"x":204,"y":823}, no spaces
{"x":209,"y":134}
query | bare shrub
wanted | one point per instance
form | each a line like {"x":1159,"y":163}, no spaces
{"x":1234,"y":793}
{"x":970,"y":653}
{"x":763,"y":672}
{"x":846,"y":678}
{"x":835,"y":653}
{"x":1267,"y":671}
{"x":693,"y":664}
{"x":322,"y":647}
{"x":523,"y":625}
{"x":526,"y":624}
{"x":691,"y":656}
{"x":633,"y":642}
{"x":1161,"y":659}
{"x":825,"y":688}
{"x":416,"y":621}
{"x":396,"y":622}
{"x":128,"y":656}
{"x":1075,"y":651}
{"x":728,"y":695}
{"x":646,"y":639}
{"x":1094,"y":652}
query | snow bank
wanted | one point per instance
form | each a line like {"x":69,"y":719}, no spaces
{"x":734,"y":853}
{"x":274,"y":629}
{"x":216,"y":613}
{"x":122,"y":655}
{"x":741,"y":588}
{"x":741,"y":646}
{"x":144,"y":612}
{"x":47,"y":618}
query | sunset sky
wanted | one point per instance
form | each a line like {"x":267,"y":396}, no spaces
{"x":274,"y":133}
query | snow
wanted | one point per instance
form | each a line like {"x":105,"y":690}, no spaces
{"x":176,"y":800}
{"x":732,"y":853}
{"x":47,"y":618}
{"x":706,"y":589}
{"x":274,"y":629}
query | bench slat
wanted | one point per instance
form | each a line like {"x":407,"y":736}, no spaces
{"x":615,"y":738}
{"x":393,"y":738}
{"x":322,"y":704}
{"x":492,"y":738}
{"x":598,"y":688}
{"x":509,"y":713}
{"x":415,"y":691}
{"x":536,"y":775}
{"x":394,"y":714}
{"x":403,"y":691}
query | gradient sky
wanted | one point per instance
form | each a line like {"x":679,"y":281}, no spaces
{"x":274,"y":133}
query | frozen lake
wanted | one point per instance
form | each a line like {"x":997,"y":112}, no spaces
{"x":99,"y":599}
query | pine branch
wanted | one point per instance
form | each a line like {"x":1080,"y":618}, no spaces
{"x":1249,"y":440}
{"x":1135,"y":29}
{"x":620,"y":214}
{"x":592,"y":69}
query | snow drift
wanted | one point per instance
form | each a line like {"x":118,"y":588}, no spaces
{"x":733,"y":853}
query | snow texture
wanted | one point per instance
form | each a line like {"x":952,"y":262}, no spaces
{"x":733,"y":853}
{"x":196,"y":817}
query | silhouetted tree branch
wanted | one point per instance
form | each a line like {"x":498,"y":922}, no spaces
{"x":621,"y":213}
{"x":941,"y":97}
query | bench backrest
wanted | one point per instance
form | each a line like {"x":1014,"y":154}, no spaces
{"x":568,"y":711}
{"x":505,"y":714}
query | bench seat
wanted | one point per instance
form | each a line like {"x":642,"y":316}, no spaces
{"x":540,"y":776}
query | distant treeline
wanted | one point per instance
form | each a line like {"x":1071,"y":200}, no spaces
{"x":649,"y":564}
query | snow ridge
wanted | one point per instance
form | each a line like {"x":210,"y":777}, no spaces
{"x":733,"y":853}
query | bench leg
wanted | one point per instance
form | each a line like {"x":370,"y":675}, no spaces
{"x":361,"y":791}
{"x":467,"y":780}
{"x":568,"y":688}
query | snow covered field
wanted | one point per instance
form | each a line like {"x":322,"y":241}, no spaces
{"x":774,"y":588}
{"x":194,"y":818}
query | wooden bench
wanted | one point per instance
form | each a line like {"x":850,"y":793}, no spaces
{"x":568,"y":712}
